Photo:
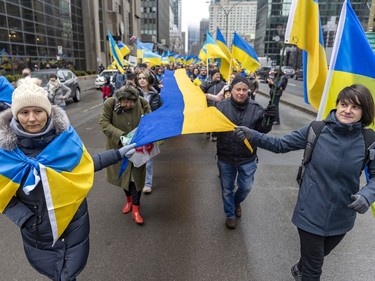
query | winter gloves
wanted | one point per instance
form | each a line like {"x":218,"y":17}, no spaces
{"x":270,"y":112}
{"x":359,"y":204}
{"x":243,"y":132}
{"x":127,"y":150}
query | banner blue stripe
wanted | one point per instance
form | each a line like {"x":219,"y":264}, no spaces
{"x":354,"y":44}
{"x":168,"y":119}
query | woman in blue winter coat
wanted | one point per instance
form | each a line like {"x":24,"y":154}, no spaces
{"x":44,"y":183}
{"x":329,"y":195}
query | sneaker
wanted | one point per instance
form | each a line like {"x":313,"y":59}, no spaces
{"x":147,"y":189}
{"x":296,"y":273}
{"x":238,"y":211}
{"x":214,"y":139}
{"x":276,"y":123}
{"x":208,"y":135}
{"x":230,"y":223}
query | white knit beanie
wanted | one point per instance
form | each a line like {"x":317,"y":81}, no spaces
{"x":28,"y":93}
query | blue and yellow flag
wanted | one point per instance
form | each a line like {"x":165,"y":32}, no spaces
{"x":184,"y":111}
{"x":212,"y":49}
{"x":6,"y":90}
{"x":115,"y":53}
{"x":124,"y":50}
{"x":152,"y":58}
{"x":144,"y":46}
{"x":304,"y":30}
{"x":65,"y":169}
{"x":352,"y":60}
{"x":224,"y":65}
{"x":244,"y":53}
{"x":203,"y":54}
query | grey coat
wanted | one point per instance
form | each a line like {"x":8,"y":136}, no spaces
{"x":68,"y":256}
{"x":61,"y":94}
{"x":331,"y":176}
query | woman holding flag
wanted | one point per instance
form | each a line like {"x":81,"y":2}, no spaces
{"x":47,"y":176}
{"x":329,"y":196}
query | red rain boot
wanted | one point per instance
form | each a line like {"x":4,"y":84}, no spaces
{"x":128,"y":205}
{"x":136,"y":215}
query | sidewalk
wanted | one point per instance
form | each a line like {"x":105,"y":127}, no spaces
{"x":294,"y":101}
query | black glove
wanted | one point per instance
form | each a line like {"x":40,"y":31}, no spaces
{"x":359,"y":204}
{"x":243,"y":132}
{"x":127,"y":150}
{"x":270,"y":112}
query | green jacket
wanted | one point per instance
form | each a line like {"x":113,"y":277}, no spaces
{"x":114,"y":125}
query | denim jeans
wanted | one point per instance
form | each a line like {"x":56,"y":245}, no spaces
{"x":149,"y":173}
{"x":245,"y":178}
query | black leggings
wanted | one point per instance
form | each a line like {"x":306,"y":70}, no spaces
{"x":136,"y":195}
{"x":313,"y":250}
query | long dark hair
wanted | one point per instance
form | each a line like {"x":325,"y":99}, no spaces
{"x":359,"y":95}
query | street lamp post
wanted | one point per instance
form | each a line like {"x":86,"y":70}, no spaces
{"x":226,"y":13}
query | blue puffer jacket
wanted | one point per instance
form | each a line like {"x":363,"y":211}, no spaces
{"x":66,"y":259}
{"x":331,"y":176}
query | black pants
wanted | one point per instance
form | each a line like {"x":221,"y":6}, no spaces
{"x":313,"y":250}
{"x":136,"y":195}
{"x":276,"y":101}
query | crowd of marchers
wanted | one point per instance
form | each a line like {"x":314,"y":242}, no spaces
{"x":34,"y":119}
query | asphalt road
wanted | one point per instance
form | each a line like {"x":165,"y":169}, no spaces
{"x":184,"y":237}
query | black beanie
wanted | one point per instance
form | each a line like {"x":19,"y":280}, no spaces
{"x":239,"y":79}
{"x":213,"y":72}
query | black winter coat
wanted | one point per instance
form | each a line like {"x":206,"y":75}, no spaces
{"x":67,"y":258}
{"x":230,"y":149}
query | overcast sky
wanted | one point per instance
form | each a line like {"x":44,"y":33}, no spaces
{"x":193,"y":11}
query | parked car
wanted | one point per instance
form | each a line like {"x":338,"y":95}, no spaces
{"x":101,"y":78}
{"x":299,"y":74}
{"x":65,"y":76}
{"x":288,"y":71}
{"x":263,"y":73}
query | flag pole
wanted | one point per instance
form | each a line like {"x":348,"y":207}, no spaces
{"x":207,"y":67}
{"x":277,"y":78}
{"x":230,"y":70}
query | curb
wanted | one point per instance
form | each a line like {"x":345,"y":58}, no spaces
{"x":294,"y":105}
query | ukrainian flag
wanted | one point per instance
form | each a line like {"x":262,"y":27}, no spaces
{"x":203,"y":54}
{"x":184,"y":111}
{"x":244,"y":53}
{"x":124,"y":50}
{"x":225,"y":66}
{"x":144,"y":46}
{"x":304,"y":30}
{"x":352,"y":60}
{"x":115,"y":53}
{"x":151,"y":58}
{"x":212,"y":48}
{"x":170,"y":56}
{"x":6,"y":90}
{"x":65,"y":169}
{"x":190,"y":59}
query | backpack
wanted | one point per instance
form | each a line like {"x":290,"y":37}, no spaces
{"x":313,"y":133}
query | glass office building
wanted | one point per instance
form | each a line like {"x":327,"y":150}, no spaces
{"x":37,"y":33}
{"x":272,"y":17}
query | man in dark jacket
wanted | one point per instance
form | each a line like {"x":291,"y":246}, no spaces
{"x":277,"y":85}
{"x":213,"y":86}
{"x":235,"y":160}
